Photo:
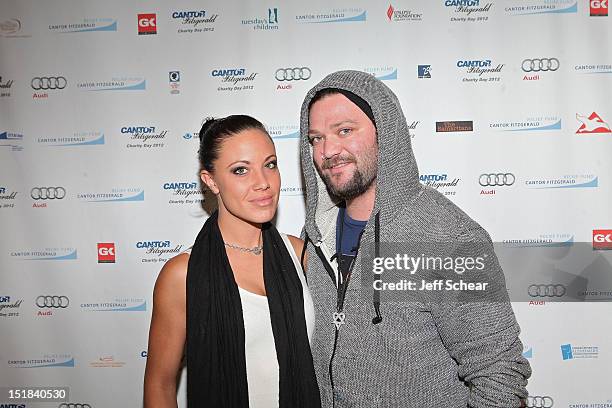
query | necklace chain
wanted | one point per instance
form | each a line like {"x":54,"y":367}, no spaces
{"x":255,"y":250}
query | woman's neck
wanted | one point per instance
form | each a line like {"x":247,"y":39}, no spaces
{"x":237,"y":231}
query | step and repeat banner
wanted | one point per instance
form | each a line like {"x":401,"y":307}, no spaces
{"x":509,"y":104}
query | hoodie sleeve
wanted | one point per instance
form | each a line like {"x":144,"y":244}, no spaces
{"x":482,"y":336}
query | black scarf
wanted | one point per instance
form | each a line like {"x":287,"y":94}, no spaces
{"x":216,"y":365}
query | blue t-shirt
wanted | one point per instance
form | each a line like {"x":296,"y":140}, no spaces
{"x":348,"y":232}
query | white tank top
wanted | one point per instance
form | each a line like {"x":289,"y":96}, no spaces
{"x":260,"y":352}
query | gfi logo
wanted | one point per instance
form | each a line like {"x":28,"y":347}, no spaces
{"x":147,"y":24}
{"x":599,"y":8}
{"x":602,"y":239}
{"x":106,"y":252}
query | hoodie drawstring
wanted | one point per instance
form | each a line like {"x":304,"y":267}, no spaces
{"x":376,"y":295}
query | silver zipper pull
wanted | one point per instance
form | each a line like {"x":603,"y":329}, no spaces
{"x":339,"y":318}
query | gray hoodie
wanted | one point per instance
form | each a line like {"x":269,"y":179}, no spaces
{"x":418,"y":356}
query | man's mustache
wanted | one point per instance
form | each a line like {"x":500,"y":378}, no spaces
{"x":336,"y":160}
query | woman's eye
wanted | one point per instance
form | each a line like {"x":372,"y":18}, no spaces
{"x":272,"y":165}
{"x":239,"y":170}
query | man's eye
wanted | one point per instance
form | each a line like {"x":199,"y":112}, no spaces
{"x":272,"y":165}
{"x":239,"y":170}
{"x":345,"y":131}
{"x":315,"y":139}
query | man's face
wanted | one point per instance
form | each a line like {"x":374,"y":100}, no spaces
{"x":344,"y":147}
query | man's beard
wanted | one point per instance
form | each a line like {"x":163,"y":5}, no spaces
{"x":363,"y":176}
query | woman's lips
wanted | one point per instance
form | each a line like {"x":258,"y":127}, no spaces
{"x":263,"y":201}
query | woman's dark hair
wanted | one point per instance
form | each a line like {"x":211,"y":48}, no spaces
{"x":214,"y":131}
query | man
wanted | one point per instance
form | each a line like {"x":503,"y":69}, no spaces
{"x":362,"y":189}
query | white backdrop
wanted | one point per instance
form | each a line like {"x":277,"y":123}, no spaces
{"x":107,"y":154}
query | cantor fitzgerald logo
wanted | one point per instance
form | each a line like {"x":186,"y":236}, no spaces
{"x":518,"y":8}
{"x":336,"y":15}
{"x":382,"y":73}
{"x":593,"y":69}
{"x":6,"y":194}
{"x":543,"y":290}
{"x":194,"y":21}
{"x":119,"y":83}
{"x":542,"y":240}
{"x":284,"y":131}
{"x":46,"y":254}
{"x":114,"y":195}
{"x":438,"y":181}
{"x":184,"y":190}
{"x":159,"y":248}
{"x":479,"y":70}
{"x":468,"y":7}
{"x":85,"y":25}
{"x":116,"y":305}
{"x":536,"y":401}
{"x":52,"y":301}
{"x":47,"y":360}
{"x":566,"y":181}
{"x":48,"y":193}
{"x":496,"y":179}
{"x":535,"y":123}
{"x":9,"y":306}
{"x":293,"y":74}
{"x":592,"y":124}
{"x":540,"y":65}
{"x":45,"y":83}
{"x":144,"y":133}
{"x":90,"y":138}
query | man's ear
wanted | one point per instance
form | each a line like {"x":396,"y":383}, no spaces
{"x":207,"y":178}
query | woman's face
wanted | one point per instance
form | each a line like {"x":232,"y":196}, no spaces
{"x":246,"y":179}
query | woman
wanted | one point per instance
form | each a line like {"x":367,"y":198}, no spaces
{"x":237,"y":304}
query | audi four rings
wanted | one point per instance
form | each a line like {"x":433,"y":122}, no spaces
{"x":550,"y":290}
{"x":540,"y":64}
{"x":39,"y":83}
{"x":496,"y":179}
{"x":539,"y":402}
{"x":292,"y":74}
{"x":48,"y":193}
{"x":52,"y":301}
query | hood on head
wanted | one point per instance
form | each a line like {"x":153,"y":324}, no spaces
{"x":398,"y":175}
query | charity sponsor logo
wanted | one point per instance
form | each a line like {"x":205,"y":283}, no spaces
{"x":536,"y":68}
{"x":5,"y":87}
{"x":194,"y":21}
{"x":43,"y":194}
{"x":116,"y":305}
{"x":88,"y":24}
{"x":441,"y":182}
{"x":455,"y":126}
{"x":592,"y":124}
{"x":287,"y":76}
{"x":234,"y":79}
{"x":158,"y":251}
{"x":335,"y":15}
{"x":555,"y":239}
{"x":539,"y":401}
{"x":43,"y":361}
{"x":264,"y":22}
{"x":394,"y":14}
{"x":45,"y":254}
{"x":284,"y":131}
{"x":46,"y":85}
{"x":423,"y":71}
{"x":12,"y":28}
{"x":113,"y":195}
{"x":490,"y":182}
{"x":532,"y":7}
{"x":184,"y":192}
{"x":385,"y":73}
{"x":564,"y":181}
{"x":106,"y":362}
{"x":192,"y":136}
{"x":570,"y":352}
{"x":9,"y":306}
{"x":119,"y":83}
{"x":87,"y":138}
{"x":598,"y":8}
{"x":597,"y":68}
{"x":106,"y":252}
{"x":147,"y":24}
{"x":602,"y":239}
{"x":469,"y":10}
{"x":529,"y":124}
{"x":11,"y":140}
{"x":480,"y":71}
{"x":50,"y":304}
{"x":144,"y":137}
{"x":174,"y":80}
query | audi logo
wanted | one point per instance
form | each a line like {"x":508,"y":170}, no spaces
{"x":48,"y":193}
{"x":540,"y":64}
{"x":496,"y":179}
{"x":542,"y":290}
{"x":73,"y":405}
{"x":39,"y":83}
{"x":52,"y":301}
{"x":539,"y":402}
{"x":292,"y":74}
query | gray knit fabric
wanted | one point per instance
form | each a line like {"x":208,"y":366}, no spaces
{"x":418,"y":356}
